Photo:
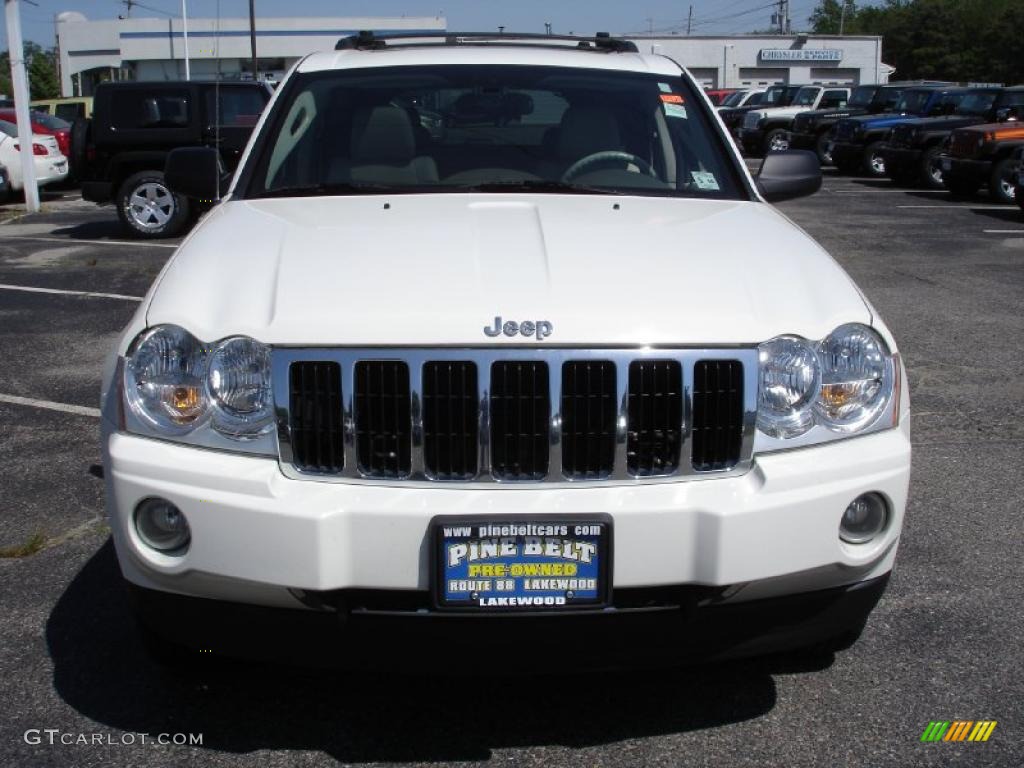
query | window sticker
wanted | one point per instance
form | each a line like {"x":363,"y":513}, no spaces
{"x":672,"y":98}
{"x":704,"y":180}
{"x":675,"y":110}
{"x":665,"y":87}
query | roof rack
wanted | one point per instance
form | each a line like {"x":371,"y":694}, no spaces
{"x":368,"y":41}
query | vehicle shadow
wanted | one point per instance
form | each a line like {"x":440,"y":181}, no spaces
{"x":102,"y":671}
{"x":1011,"y":214}
{"x":95,"y":229}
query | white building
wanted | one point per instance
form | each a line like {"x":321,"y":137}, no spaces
{"x":154,"y":49}
{"x":760,"y":60}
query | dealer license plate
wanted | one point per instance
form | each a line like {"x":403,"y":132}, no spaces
{"x":521,"y":564}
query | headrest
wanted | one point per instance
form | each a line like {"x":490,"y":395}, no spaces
{"x":586,"y":130}
{"x":382,"y":135}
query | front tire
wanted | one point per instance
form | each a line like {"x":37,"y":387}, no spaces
{"x":149,"y":209}
{"x":1001,"y":184}
{"x":931,"y":171}
{"x":777,"y":140}
{"x":874,"y":163}
{"x":821,"y":148}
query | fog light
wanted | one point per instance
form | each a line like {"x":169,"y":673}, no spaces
{"x":864,"y":519}
{"x":162,"y":526}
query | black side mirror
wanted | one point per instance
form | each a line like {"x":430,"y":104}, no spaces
{"x":197,"y":172}
{"x":789,"y":174}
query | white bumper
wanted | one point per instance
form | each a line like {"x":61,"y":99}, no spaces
{"x":256,"y":533}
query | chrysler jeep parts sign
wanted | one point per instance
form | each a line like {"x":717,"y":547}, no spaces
{"x":801,"y":54}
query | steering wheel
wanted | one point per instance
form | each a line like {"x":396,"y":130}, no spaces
{"x":599,"y":158}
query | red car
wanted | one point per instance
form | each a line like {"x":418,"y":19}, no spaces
{"x":44,"y":123}
{"x":718,"y":94}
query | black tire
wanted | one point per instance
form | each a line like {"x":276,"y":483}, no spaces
{"x":930,"y":172}
{"x":1019,"y":196}
{"x":79,"y":141}
{"x":168,"y":215}
{"x":776,"y":135}
{"x":873,"y":163}
{"x":821,"y":148}
{"x":1001,"y":184}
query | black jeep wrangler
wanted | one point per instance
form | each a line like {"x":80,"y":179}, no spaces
{"x":812,"y":130}
{"x":121,"y":151}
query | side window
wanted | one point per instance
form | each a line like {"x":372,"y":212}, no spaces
{"x":70,"y":112}
{"x":235,"y":107}
{"x":833,"y":100}
{"x":42,"y":108}
{"x":142,"y":109}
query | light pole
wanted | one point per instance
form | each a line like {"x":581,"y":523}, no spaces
{"x":184,"y":27}
{"x":20,"y":85}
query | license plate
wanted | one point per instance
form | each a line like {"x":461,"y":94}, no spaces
{"x":518,"y":564}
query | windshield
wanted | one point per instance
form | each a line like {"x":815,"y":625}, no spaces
{"x":805,"y":97}
{"x":451,"y":128}
{"x":977,"y":103}
{"x":913,"y":102}
{"x":862,"y":96}
{"x":1012,"y":99}
{"x":49,"y":121}
{"x":733,"y":99}
{"x":774,"y":96}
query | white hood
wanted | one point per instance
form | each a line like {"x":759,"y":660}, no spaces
{"x":436,"y":269}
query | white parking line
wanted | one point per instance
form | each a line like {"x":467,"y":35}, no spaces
{"x":1003,"y":231}
{"x":965,"y":207}
{"x":73,"y":240}
{"x":90,"y":294}
{"x":81,"y":410}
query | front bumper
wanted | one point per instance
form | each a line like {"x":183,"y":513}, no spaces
{"x":961,"y":170}
{"x":259,"y":537}
{"x":686,"y":629}
{"x":901,"y":160}
{"x":803,"y":140}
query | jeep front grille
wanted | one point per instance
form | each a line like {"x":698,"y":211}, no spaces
{"x":844,"y":130}
{"x":514,"y":415}
{"x":717,"y":414}
{"x":964,"y":144}
{"x":903,"y":136}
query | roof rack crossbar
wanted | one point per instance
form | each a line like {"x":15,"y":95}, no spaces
{"x":366,"y":40}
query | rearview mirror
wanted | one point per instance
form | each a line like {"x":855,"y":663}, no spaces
{"x":197,"y":172}
{"x":789,"y":174}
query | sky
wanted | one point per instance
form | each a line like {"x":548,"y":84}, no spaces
{"x":579,"y":16}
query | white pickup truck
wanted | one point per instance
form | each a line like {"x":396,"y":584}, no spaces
{"x":767,"y":130}
{"x":502,"y":326}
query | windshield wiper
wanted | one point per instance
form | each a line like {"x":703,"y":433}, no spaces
{"x":340,"y":188}
{"x":540,"y":185}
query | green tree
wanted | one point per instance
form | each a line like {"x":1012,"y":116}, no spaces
{"x":827,"y":18}
{"x":40,"y":68}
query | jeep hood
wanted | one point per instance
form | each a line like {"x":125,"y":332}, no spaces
{"x":436,"y":269}
{"x":944,"y":122}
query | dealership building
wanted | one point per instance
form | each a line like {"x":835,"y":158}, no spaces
{"x":154,"y":49}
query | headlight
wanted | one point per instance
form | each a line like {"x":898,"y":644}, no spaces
{"x":856,"y":378}
{"x":789,"y":382}
{"x":211,"y":395}
{"x":164,"y":379}
{"x":810,"y":392}
{"x":238,"y":384}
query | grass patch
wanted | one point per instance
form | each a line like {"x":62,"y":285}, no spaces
{"x":29,"y":548}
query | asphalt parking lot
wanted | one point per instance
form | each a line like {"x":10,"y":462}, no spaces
{"x":943,"y":644}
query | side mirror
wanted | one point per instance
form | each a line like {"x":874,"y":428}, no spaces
{"x":789,"y":174}
{"x":197,"y":172}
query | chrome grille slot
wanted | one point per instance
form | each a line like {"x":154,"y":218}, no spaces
{"x":717,"y":431}
{"x":315,"y":416}
{"x":655,"y":417}
{"x":588,"y":419}
{"x":520,"y":415}
{"x":383,"y":418}
{"x":512,"y":415}
{"x":450,"y":419}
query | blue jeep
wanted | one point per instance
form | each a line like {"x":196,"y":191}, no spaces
{"x":859,"y":140}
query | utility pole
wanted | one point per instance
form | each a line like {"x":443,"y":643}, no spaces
{"x":19,"y":83}
{"x":128,"y":7}
{"x":184,"y":26}
{"x":689,"y":20}
{"x":252,"y":40}
{"x":842,"y":16}
{"x":650,"y":25}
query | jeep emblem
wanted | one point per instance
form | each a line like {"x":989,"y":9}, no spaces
{"x":541,"y":329}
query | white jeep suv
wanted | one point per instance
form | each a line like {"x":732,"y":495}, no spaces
{"x":502,"y":325}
